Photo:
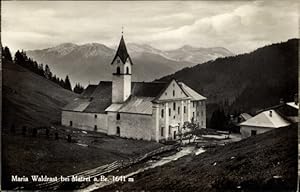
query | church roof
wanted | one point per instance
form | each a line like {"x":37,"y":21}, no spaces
{"x":193,"y":94}
{"x":139,"y":105}
{"x":89,"y":90}
{"x":98,"y":98}
{"x":122,"y":52}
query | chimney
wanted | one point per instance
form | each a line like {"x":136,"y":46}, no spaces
{"x":270,"y":113}
{"x":281,"y":101}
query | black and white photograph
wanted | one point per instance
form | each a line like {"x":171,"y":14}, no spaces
{"x":150,"y":95}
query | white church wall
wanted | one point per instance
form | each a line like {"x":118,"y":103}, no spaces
{"x":173,"y":91}
{"x":136,"y":126}
{"x":85,"y":121}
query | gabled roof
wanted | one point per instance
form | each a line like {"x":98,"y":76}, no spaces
{"x":193,"y":94}
{"x":270,"y":119}
{"x":293,"y":104}
{"x":147,"y":89}
{"x":88,"y":91}
{"x":101,"y":97}
{"x":78,"y":104}
{"x":122,"y":52}
{"x":98,"y":98}
{"x":139,"y":105}
{"x":166,"y":87}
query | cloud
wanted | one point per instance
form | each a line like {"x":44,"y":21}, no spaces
{"x":238,"y":25}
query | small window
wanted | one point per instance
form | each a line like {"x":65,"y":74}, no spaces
{"x":71,"y":123}
{"x":174,"y":136}
{"x":95,"y":128}
{"x":174,"y":117}
{"x":173,"y":93}
{"x":193,"y":114}
{"x":253,"y":132}
{"x":166,"y":93}
{"x":162,"y":131}
{"x":178,"y":110}
{"x":174,"y":106}
{"x":118,"y":116}
{"x":118,"y":60}
{"x":118,"y":131}
{"x":169,"y":111}
{"x":184,"y":109}
{"x":127,"y":70}
{"x":118,"y":70}
{"x":162,"y":113}
{"x":95,"y":116}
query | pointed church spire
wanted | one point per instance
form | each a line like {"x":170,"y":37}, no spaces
{"x":122,"y":51}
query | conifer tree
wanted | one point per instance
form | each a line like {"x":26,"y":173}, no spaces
{"x":67,"y":84}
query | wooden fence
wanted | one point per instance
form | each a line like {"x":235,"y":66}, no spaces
{"x":104,"y":169}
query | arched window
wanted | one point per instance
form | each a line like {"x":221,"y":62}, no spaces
{"x":95,"y":128}
{"x":118,"y":131}
{"x":127,"y":70}
{"x":71,"y":123}
{"x":118,"y":70}
{"x":118,"y":116}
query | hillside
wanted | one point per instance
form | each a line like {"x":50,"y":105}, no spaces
{"x":266,"y":162}
{"x":247,"y":82}
{"x":91,"y":62}
{"x":29,"y":99}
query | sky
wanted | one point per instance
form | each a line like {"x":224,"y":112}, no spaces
{"x":240,"y":26}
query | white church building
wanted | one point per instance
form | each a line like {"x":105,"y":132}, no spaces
{"x":140,"y":110}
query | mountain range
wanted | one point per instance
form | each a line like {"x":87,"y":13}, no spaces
{"x":91,"y":62}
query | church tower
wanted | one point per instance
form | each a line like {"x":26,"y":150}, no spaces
{"x":121,"y":81}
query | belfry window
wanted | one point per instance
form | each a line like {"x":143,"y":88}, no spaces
{"x":118,"y":116}
{"x":118,"y":70}
{"x":127,"y":70}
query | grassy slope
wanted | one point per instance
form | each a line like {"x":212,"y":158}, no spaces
{"x":34,"y":101}
{"x":29,"y":99}
{"x":256,"y":160}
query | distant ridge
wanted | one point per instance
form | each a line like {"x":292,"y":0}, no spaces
{"x":90,"y":62}
{"x":247,"y":82}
